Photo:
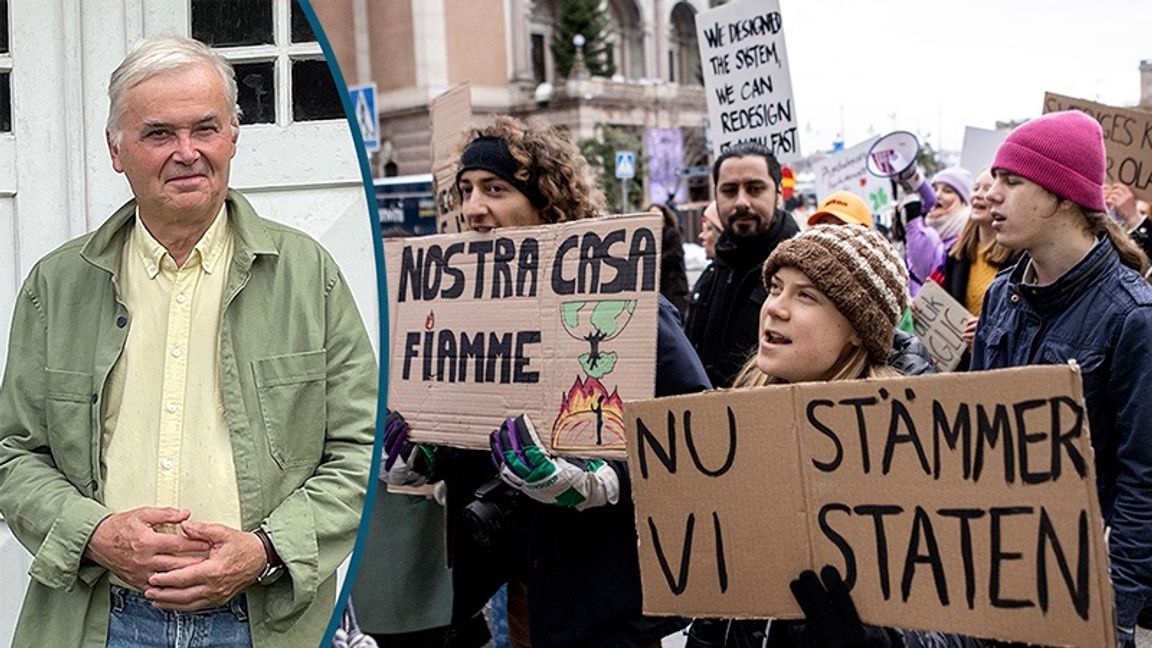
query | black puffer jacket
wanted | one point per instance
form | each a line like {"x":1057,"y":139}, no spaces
{"x":723,"y":321}
{"x":909,"y":356}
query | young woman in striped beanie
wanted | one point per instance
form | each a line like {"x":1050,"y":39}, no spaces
{"x":835,"y":294}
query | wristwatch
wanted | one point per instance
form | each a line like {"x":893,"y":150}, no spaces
{"x":273,"y":566}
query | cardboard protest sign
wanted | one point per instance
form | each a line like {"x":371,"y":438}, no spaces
{"x":1127,"y":140}
{"x":746,"y":77}
{"x":557,"y":321}
{"x":980,"y":146}
{"x":939,"y":321}
{"x":450,"y":113}
{"x":964,"y":503}
{"x":847,"y":171}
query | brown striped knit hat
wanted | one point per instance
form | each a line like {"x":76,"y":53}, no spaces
{"x":858,"y":270}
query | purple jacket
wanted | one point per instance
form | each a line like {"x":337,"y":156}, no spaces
{"x":924,"y":251}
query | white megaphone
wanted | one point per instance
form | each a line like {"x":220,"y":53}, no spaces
{"x":894,"y":156}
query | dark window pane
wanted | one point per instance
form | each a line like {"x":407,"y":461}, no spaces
{"x":3,"y":26}
{"x":301,"y":30}
{"x":539,"y":70}
{"x":5,"y":102}
{"x":229,"y":23}
{"x":255,"y":83}
{"x":314,"y":94}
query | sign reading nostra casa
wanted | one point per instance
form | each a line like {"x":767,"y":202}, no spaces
{"x":557,"y":321}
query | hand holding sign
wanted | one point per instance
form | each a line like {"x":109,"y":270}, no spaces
{"x":524,"y":465}
{"x":830,"y":617}
{"x":405,"y":463}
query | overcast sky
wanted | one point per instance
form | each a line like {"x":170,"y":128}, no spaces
{"x":935,"y":67}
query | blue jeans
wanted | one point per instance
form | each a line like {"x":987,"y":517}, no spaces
{"x":134,"y":623}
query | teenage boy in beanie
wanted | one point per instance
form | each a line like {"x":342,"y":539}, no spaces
{"x":1077,"y":295}
{"x":725,"y":303}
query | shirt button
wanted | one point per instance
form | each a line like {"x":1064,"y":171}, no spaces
{"x":1015,"y":298}
{"x":95,"y":397}
{"x":172,"y":408}
{"x":167,"y":464}
{"x":176,"y":352}
{"x":121,"y":322}
{"x":180,"y":298}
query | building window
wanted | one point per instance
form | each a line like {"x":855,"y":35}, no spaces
{"x":281,"y":74}
{"x":5,"y":72}
{"x":539,"y":60}
{"x":684,"y":55}
{"x":628,"y":49}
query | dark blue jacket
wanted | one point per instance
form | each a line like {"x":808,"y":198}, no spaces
{"x":1100,"y":315}
{"x":581,"y":567}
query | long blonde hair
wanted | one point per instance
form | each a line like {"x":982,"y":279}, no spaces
{"x":852,"y":365}
{"x":967,"y":246}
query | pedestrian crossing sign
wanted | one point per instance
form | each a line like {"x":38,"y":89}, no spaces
{"x":625,"y":164}
{"x":365,"y":116}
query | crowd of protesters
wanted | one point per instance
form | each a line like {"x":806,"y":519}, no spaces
{"x":1049,"y":257}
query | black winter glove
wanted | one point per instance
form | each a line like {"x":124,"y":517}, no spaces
{"x":831,"y":618}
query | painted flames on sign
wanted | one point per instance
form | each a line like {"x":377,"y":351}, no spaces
{"x":589,"y":418}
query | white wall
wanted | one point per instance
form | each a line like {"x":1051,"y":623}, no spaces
{"x":56,"y":181}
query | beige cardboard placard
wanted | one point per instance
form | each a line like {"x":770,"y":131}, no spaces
{"x":964,"y":503}
{"x":1127,"y":139}
{"x":450,"y":113}
{"x":747,"y":80}
{"x":939,"y":321}
{"x":557,"y":321}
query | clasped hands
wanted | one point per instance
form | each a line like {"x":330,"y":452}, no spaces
{"x":204,"y":566}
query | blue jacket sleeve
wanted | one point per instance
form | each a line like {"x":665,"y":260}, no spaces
{"x":678,"y":368}
{"x":1130,"y":544}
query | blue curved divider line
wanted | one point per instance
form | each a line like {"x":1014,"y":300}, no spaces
{"x":382,"y":303}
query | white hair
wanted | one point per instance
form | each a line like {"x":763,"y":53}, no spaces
{"x":154,"y":56}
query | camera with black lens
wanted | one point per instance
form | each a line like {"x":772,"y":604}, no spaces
{"x":496,"y":515}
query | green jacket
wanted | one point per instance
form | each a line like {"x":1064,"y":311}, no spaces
{"x":299,"y":392}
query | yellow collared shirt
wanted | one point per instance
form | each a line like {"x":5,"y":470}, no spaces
{"x":165,"y":440}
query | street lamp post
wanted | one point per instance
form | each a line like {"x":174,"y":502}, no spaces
{"x":579,"y":69}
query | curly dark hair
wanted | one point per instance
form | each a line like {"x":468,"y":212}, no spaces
{"x":563,"y":176}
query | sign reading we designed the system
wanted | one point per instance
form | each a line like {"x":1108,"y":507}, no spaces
{"x":964,"y":503}
{"x":746,"y":77}
{"x":556,"y":321}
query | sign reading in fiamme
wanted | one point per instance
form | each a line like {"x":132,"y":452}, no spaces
{"x":963,"y":503}
{"x":746,"y":77}
{"x":557,"y":321}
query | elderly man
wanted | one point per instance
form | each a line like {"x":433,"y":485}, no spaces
{"x":187,"y":413}
{"x":724,"y":308}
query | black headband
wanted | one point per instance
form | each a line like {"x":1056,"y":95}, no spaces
{"x":491,"y":154}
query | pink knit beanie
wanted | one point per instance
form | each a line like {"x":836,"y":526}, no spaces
{"x":1062,"y":152}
